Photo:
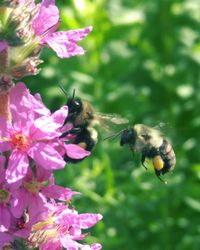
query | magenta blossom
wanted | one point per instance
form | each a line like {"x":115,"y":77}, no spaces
{"x":63,"y":229}
{"x":29,"y":137}
{"x":35,"y":192}
{"x":64,"y":43}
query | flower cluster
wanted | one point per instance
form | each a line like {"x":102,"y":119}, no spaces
{"x":31,"y":149}
{"x":34,"y":142}
{"x":25,"y":29}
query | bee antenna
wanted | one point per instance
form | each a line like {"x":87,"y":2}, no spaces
{"x":63,"y":90}
{"x":74,"y":92}
{"x":165,"y":182}
{"x":114,"y":135}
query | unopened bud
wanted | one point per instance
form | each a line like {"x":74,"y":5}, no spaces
{"x":28,"y":67}
{"x":5,"y":83}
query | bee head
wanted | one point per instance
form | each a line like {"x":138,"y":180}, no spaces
{"x":128,"y":136}
{"x":74,"y":105}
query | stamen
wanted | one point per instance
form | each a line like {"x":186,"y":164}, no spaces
{"x":4,"y":196}
{"x":33,"y":186}
{"x":20,"y":141}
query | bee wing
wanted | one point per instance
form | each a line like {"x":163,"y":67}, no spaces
{"x":107,"y":121}
{"x":112,"y":118}
{"x":165,"y":128}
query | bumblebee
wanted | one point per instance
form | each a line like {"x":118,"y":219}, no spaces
{"x":152,"y":145}
{"x":83,"y":118}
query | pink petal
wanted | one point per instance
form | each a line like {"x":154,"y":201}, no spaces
{"x":64,"y":43}
{"x":96,"y":246}
{"x":39,"y":106}
{"x":5,"y":219}
{"x":43,"y":174}
{"x":18,"y":202}
{"x":75,"y":152}
{"x":48,"y":2}
{"x":44,"y":128}
{"x":21,"y":106}
{"x":5,"y":238}
{"x":60,"y":115}
{"x":88,"y":220}
{"x":47,"y":18}
{"x":51,"y":244}
{"x":58,"y":192}
{"x":23,"y":233}
{"x":2,"y":168}
{"x":17,"y":166}
{"x":68,"y":243}
{"x":37,"y":205}
{"x":26,"y":104}
{"x":46,"y":156}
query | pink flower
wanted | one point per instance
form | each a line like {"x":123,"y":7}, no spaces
{"x":21,"y":227}
{"x":63,"y":229}
{"x":34,"y":193}
{"x":29,"y":136}
{"x":64,"y":43}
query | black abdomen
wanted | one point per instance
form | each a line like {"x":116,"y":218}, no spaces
{"x":167,"y":154}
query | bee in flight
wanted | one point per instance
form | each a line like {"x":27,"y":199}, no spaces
{"x":83,"y":119}
{"x":152,"y":145}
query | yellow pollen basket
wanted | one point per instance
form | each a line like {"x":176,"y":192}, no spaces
{"x":20,"y":141}
{"x":82,"y":145}
{"x":158,"y":162}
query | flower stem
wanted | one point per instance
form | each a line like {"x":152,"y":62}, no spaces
{"x":5,"y":106}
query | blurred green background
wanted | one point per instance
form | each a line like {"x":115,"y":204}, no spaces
{"x":142,"y":62}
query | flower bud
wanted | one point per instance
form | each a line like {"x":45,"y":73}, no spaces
{"x":27,"y":67}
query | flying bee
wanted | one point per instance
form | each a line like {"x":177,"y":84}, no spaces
{"x":83,"y":118}
{"x":152,"y":145}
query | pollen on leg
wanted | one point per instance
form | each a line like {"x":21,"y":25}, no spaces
{"x":158,"y":162}
{"x":20,"y":141}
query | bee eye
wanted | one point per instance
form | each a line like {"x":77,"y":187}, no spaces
{"x":76,"y":103}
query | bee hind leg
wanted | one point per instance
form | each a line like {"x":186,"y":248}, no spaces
{"x":158,"y":175}
{"x":143,"y":161}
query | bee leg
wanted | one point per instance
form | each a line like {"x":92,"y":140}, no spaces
{"x":165,"y":182}
{"x":143,"y":161}
{"x":73,"y":131}
{"x":158,"y":175}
